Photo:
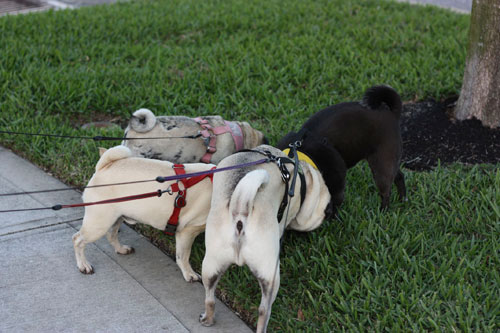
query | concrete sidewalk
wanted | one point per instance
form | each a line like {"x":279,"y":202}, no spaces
{"x":42,"y":290}
{"x":461,"y":6}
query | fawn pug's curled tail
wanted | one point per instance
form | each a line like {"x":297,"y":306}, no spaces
{"x":242,"y":200}
{"x":111,"y":155}
{"x":142,"y":121}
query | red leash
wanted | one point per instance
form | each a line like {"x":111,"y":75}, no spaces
{"x":179,"y":202}
{"x":157,"y":193}
{"x":189,"y":179}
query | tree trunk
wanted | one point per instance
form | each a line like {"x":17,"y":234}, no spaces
{"x":480,"y":95}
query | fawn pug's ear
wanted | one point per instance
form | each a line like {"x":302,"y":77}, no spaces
{"x":102,"y":151}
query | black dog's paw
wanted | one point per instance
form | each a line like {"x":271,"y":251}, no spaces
{"x":330,"y":211}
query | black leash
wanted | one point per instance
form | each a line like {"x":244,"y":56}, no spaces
{"x":99,"y":137}
{"x":159,"y":179}
{"x":291,"y":193}
{"x":157,"y":193}
{"x":293,"y":150}
{"x":75,"y":188}
{"x":285,"y":174}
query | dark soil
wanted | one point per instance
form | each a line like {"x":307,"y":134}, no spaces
{"x":430,"y":135}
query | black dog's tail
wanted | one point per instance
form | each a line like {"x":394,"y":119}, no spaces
{"x":376,"y":95}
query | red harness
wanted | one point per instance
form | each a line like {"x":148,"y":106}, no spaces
{"x":210,"y":134}
{"x":180,"y":200}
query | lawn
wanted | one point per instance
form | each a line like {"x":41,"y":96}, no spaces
{"x":427,"y":264}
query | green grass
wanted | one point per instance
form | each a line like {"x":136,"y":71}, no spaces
{"x":428,"y":264}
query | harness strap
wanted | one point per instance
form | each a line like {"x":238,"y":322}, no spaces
{"x":180,"y":200}
{"x":284,"y":201}
{"x":307,"y":159}
{"x":236,"y":133}
{"x":210,"y":134}
{"x":285,"y":176}
{"x":283,"y":204}
{"x":303,"y":187}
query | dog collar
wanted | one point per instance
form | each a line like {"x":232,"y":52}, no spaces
{"x":302,"y":157}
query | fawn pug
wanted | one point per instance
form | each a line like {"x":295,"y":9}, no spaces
{"x":117,"y":165}
{"x":243,"y":226}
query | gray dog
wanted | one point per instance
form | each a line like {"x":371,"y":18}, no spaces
{"x":214,"y":139}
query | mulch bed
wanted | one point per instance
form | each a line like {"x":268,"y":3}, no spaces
{"x":430,"y":134}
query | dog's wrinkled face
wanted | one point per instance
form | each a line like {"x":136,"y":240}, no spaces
{"x":314,"y":209}
{"x":252,"y":137}
{"x":328,"y":160}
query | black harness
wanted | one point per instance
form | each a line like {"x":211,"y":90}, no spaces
{"x":284,"y":202}
{"x":285,"y":175}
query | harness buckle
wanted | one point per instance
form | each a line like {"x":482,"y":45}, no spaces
{"x":180,"y":200}
{"x":207,"y":139}
{"x":285,"y":174}
{"x":170,"y":229}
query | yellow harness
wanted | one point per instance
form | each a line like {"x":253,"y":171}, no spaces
{"x":302,"y":157}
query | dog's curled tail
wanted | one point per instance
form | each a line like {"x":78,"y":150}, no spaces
{"x":242,"y":200}
{"x":111,"y":155}
{"x":376,"y":95}
{"x":143,"y":120}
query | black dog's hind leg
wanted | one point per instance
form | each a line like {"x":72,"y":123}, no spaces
{"x":399,"y":180}
{"x":384,"y":173}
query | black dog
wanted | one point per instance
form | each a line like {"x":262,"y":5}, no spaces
{"x":338,"y":137}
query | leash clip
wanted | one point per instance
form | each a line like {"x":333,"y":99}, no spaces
{"x":168,"y":190}
{"x":285,"y":174}
{"x":270,"y":157}
{"x":296,"y":144}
